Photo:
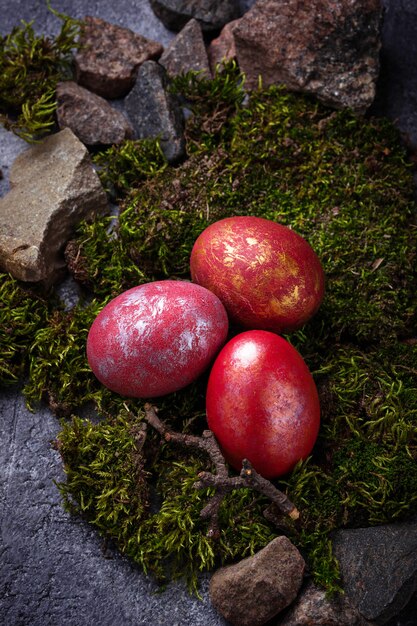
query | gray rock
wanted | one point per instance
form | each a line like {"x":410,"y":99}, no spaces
{"x":257,"y":588}
{"x":397,"y":84}
{"x":330,"y":49}
{"x":187,"y":52}
{"x":212,"y":14}
{"x":90,"y":117}
{"x":109,"y":57}
{"x":313,"y":607}
{"x":53,"y":186}
{"x":223,"y":47}
{"x":156,"y":113}
{"x":378,"y":567}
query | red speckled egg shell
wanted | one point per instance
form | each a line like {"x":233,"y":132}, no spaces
{"x":156,"y":338}
{"x":267,"y":276}
{"x":262,"y":403}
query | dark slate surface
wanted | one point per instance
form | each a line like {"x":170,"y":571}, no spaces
{"x":397,"y":87}
{"x":378,"y":567}
{"x":52,"y":567}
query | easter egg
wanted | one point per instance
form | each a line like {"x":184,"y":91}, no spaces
{"x":262,"y":403}
{"x":267,"y":276}
{"x":156,"y":338}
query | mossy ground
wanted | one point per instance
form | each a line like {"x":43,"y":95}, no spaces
{"x":342,"y":182}
{"x":30,"y":68}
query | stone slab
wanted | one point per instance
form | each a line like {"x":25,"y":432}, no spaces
{"x":53,"y":567}
{"x":378,"y":568}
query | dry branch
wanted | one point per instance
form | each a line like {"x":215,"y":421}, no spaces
{"x":220,"y":479}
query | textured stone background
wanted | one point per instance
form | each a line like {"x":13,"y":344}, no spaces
{"x":52,"y":568}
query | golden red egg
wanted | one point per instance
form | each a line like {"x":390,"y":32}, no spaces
{"x":267,"y":276}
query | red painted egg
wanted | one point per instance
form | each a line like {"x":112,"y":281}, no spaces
{"x":262,"y":403}
{"x":156,"y":338}
{"x":267,"y":276}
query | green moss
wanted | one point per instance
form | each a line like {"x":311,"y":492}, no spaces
{"x":30,"y":68}
{"x":212,"y":103}
{"x":106,"y":480}
{"x":58,"y":369}
{"x":22,"y":314}
{"x":370,"y":394}
{"x":123,"y":166}
{"x":341,"y":182}
{"x":344,"y":184}
{"x":109,"y":487}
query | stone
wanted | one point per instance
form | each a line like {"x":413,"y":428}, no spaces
{"x":90,"y":117}
{"x":256,"y":589}
{"x":53,"y":187}
{"x":378,"y":567}
{"x":212,"y":14}
{"x":55,"y":568}
{"x":397,"y":82}
{"x":313,"y":607}
{"x":154,"y":112}
{"x":109,"y":57}
{"x":223,"y":48}
{"x":329,"y":49}
{"x":187,"y":51}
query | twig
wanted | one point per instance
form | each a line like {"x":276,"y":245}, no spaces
{"x":221,"y":480}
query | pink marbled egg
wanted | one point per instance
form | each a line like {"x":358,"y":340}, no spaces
{"x":156,"y":338}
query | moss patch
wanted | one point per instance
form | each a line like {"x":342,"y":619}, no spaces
{"x":30,"y":68}
{"x":342,"y":182}
{"x":22,"y":314}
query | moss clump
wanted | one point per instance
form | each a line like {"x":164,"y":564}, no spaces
{"x":22,"y":314}
{"x":123,"y":166}
{"x":344,"y":184}
{"x":58,"y":368}
{"x":107,"y":483}
{"x":212,"y":104}
{"x":30,"y":68}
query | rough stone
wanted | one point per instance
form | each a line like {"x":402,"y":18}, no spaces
{"x":187,"y":51}
{"x":90,"y":117}
{"x":397,"y":83}
{"x":330,"y":49}
{"x":154,"y":112}
{"x":378,"y":567}
{"x":257,"y":588}
{"x":313,"y":607}
{"x":109,"y":57}
{"x":53,"y":186}
{"x":212,"y":14}
{"x":223,"y":47}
